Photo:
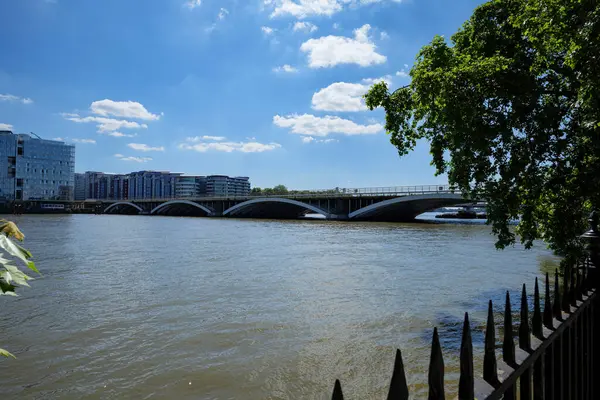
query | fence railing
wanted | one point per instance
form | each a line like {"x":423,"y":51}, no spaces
{"x":557,"y":355}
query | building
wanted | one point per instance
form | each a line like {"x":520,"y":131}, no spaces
{"x":96,"y":185}
{"x":118,"y":187}
{"x":143,"y":185}
{"x":222,"y":185}
{"x":190,"y":186}
{"x":152,"y":185}
{"x":79,"y":193}
{"x":32,"y":168}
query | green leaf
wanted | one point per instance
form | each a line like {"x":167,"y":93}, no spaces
{"x":31,"y":266}
{"x":6,"y":354}
{"x":14,"y":250}
{"x":25,"y":252}
{"x":7,"y":288}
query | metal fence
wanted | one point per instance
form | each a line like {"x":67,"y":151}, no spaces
{"x":557,"y":356}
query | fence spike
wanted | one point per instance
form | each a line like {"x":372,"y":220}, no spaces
{"x":548,"y":305}
{"x":573,"y":276}
{"x":337,"y":391}
{"x":524,"y":331}
{"x":490,"y":366}
{"x":436,"y":369}
{"x":398,"y":386}
{"x":466,"y":383}
{"x":556,"y":310}
{"x":566,"y":300}
{"x":508,"y":345}
{"x":578,"y":288}
{"x":536,"y":320}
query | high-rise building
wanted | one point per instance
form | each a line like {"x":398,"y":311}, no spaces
{"x":32,"y":168}
{"x":79,"y":187}
{"x":222,"y":185}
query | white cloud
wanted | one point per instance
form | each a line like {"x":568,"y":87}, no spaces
{"x":285,"y":68}
{"x":196,"y":139}
{"x":134,"y":159}
{"x":329,"y":51}
{"x":308,"y":124}
{"x":384,"y":35}
{"x":305,"y":27}
{"x":105,"y":124}
{"x":191,"y":4}
{"x":267,"y":30}
{"x":343,"y":96}
{"x":229,"y":147}
{"x":305,"y":8}
{"x":310,"y":139}
{"x":6,"y":127}
{"x":402,"y":73}
{"x":336,"y":25}
{"x":13,"y":98}
{"x":59,"y":139}
{"x":223,"y":12}
{"x":144,"y":147}
{"x":126,"y":109}
{"x":84,"y":141}
{"x":120,"y":134}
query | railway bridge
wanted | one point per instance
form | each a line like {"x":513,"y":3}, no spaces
{"x":373,"y":204}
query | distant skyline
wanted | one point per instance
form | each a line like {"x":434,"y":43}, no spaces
{"x":269,"y":89}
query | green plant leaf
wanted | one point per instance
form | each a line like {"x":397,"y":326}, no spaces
{"x":6,"y":353}
{"x":31,"y":266}
{"x":11,"y":248}
{"x":7,"y":288}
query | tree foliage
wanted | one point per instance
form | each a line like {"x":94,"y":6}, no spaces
{"x":277,"y":190}
{"x":511,"y":110}
{"x":12,"y":277}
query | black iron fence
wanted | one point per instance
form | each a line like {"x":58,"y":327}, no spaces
{"x":557,"y":355}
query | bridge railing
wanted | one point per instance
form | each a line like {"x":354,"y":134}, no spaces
{"x":323,"y":193}
{"x":557,"y":355}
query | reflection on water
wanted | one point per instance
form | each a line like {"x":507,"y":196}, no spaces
{"x":161,"y":307}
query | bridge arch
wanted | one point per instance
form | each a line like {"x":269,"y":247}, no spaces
{"x":273,"y":207}
{"x":165,"y":207}
{"x":406,"y":208}
{"x":123,"y":203}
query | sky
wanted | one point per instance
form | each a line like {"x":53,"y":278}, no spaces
{"x":269,"y":89}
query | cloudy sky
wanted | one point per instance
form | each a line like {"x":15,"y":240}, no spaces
{"x":269,"y":89}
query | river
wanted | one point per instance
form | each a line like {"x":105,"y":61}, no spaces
{"x":145,"y":307}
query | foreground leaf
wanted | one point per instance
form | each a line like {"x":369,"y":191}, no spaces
{"x":6,"y":353}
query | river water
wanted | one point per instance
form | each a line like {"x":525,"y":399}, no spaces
{"x":146,"y":307}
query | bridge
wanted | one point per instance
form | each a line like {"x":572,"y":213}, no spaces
{"x":391,"y":204}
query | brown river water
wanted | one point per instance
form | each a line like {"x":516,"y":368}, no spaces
{"x":144,"y":307}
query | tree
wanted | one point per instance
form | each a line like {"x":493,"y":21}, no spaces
{"x":12,"y":277}
{"x":511,"y":109}
{"x":280,"y":189}
{"x":256,"y":191}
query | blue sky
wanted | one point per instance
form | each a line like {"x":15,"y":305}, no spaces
{"x":263,"y":88}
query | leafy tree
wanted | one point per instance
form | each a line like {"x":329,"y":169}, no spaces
{"x":511,"y":109}
{"x":12,"y":277}
{"x":280,"y":189}
{"x":255,"y":191}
